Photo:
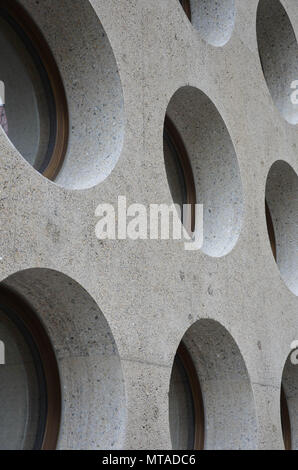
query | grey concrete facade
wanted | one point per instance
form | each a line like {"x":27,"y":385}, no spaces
{"x":116,"y":311}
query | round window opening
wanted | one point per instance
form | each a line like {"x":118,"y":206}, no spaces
{"x":278,"y":52}
{"x":29,"y":379}
{"x":281,"y":216}
{"x":186,"y":410}
{"x":33,"y":107}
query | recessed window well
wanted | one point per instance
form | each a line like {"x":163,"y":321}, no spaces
{"x":90,"y":370}
{"x":202,"y":167}
{"x":35,"y":116}
{"x":73,"y":133}
{"x":213,"y":19}
{"x":211,"y":403}
{"x":278,"y":50}
{"x":185,"y":404}
{"x":29,"y":379}
{"x":282,"y":216}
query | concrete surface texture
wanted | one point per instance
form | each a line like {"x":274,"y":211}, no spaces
{"x":116,"y":311}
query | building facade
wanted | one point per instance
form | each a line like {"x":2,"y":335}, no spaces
{"x":136,"y":342}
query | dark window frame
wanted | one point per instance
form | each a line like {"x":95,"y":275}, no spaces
{"x":174,"y":138}
{"x":197,"y":396}
{"x":270,"y":228}
{"x":28,"y":323}
{"x":186,"y":7}
{"x":44,"y":60}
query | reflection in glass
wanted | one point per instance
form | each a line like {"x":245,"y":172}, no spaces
{"x":3,"y":118}
{"x":29,"y":102}
{"x":22,"y":388}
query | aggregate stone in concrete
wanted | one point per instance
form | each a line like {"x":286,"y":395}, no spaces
{"x":133,"y":56}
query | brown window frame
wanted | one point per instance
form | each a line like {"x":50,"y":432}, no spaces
{"x":37,"y":41}
{"x":25,"y":313}
{"x":186,"y":7}
{"x":270,"y":228}
{"x":175,"y":138}
{"x":199,"y":415}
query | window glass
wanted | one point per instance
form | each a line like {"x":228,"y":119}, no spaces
{"x":181,"y":408}
{"x":23,"y":393}
{"x":29,"y":102}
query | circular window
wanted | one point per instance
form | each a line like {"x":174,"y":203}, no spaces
{"x":202,"y":145}
{"x":185,"y":404}
{"x":34,"y":110}
{"x":210,"y":391}
{"x":179,"y":173}
{"x":278,"y":51}
{"x":29,"y":379}
{"x":281,"y":215}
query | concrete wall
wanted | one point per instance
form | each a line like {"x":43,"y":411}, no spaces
{"x":116,"y":311}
